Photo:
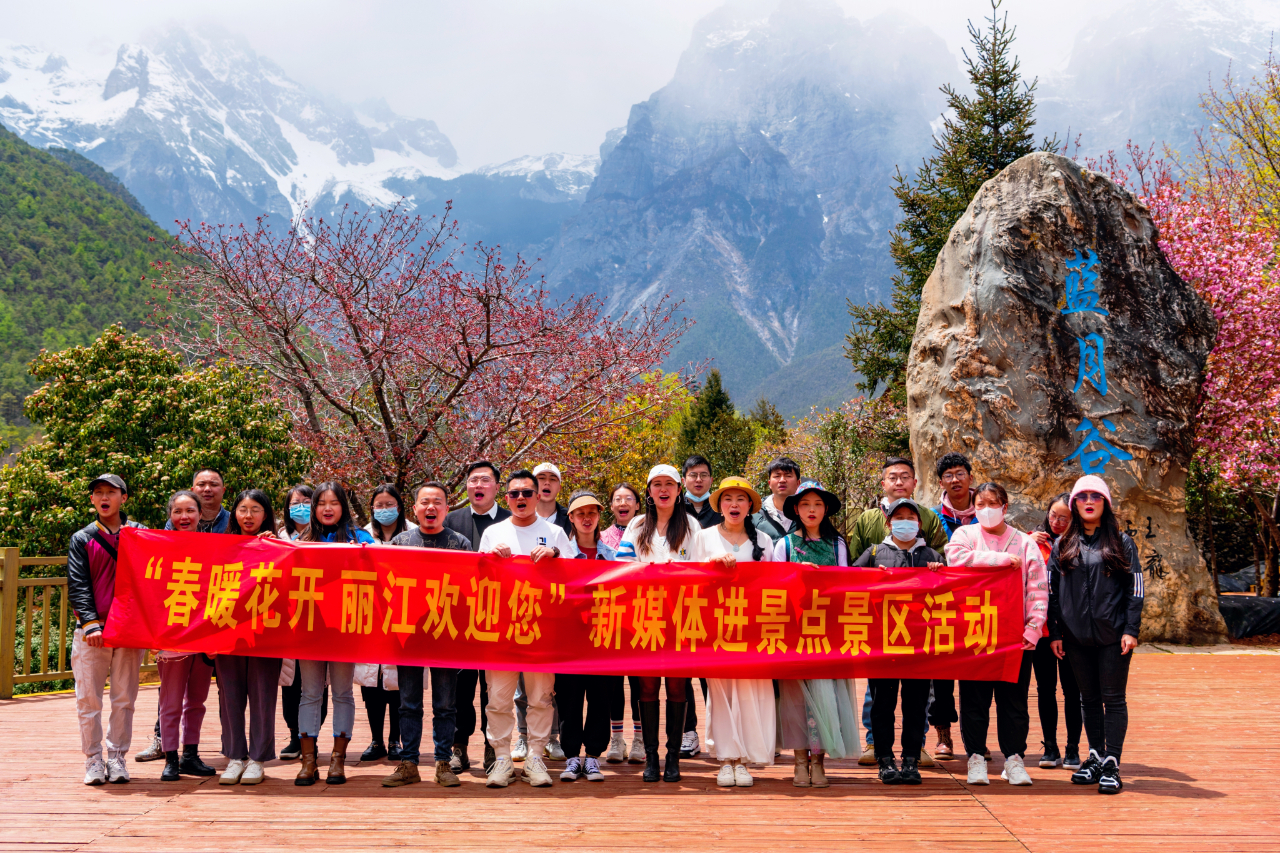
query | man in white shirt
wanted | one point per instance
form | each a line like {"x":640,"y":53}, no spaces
{"x":523,"y":534}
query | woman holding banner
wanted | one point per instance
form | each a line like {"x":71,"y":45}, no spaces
{"x":741,"y":714}
{"x":379,"y":687}
{"x":816,"y":716}
{"x":331,"y":521}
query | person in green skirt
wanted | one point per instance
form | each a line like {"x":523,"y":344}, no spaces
{"x":816,"y":716}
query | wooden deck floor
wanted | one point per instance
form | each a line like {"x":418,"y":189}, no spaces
{"x":1202,"y":731}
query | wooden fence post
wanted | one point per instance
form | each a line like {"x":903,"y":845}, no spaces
{"x":8,"y":620}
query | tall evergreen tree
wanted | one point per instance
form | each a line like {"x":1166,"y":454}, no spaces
{"x":981,"y":135}
{"x":713,"y":428}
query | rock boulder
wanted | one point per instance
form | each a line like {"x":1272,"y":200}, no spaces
{"x":1054,"y":340}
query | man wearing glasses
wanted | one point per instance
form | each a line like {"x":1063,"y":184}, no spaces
{"x":472,"y":521}
{"x":523,"y":534}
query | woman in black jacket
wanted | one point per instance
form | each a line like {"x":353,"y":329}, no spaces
{"x":1095,"y":616}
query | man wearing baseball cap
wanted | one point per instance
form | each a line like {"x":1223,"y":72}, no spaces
{"x":549,"y":508}
{"x":91,"y":582}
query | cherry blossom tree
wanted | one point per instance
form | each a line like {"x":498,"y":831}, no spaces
{"x":403,"y":354}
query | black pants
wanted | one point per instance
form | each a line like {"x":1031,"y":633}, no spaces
{"x":618,"y":700}
{"x":291,"y":697}
{"x":570,"y":692}
{"x":1047,"y":668}
{"x":1012,"y":719}
{"x":915,"y":699}
{"x":691,"y":708}
{"x":376,"y":702}
{"x":466,"y":719}
{"x":943,"y":710}
{"x":1103,"y":675}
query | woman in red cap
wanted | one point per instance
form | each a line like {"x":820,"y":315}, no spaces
{"x":1095,"y":616}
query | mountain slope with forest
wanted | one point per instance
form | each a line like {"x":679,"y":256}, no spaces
{"x":72,"y":258}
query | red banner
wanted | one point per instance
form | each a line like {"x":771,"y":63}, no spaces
{"x":361,"y":603}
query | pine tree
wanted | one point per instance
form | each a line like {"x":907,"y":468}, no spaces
{"x":981,"y":135}
{"x":712,"y":428}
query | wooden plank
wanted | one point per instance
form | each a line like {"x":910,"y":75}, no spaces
{"x":26,"y":562}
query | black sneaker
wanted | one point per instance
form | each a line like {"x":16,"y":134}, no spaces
{"x":889,"y":771}
{"x":1051,"y":758}
{"x":1110,"y":782}
{"x":910,"y":774}
{"x":1071,"y":760}
{"x":1090,"y":772}
{"x":293,"y":749}
{"x":375,"y":751}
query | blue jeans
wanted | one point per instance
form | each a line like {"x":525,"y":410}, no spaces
{"x":444,"y":713}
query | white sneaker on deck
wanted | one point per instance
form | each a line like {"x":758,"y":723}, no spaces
{"x":521,"y":750}
{"x":500,"y":775}
{"x":1015,"y":771}
{"x":553,"y":750}
{"x":117,"y":771}
{"x":636,"y":755}
{"x":617,"y":752}
{"x":535,"y":772}
{"x":95,"y":772}
{"x":689,"y":746}
{"x":725,"y":777}
{"x":741,"y":777}
{"x":978,"y":770}
{"x":253,"y":773}
{"x":230,"y":776}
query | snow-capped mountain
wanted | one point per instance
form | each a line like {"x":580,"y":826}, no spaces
{"x":200,"y":126}
{"x":551,"y":177}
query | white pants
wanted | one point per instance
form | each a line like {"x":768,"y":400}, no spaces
{"x":741,"y":719}
{"x":502,"y":709}
{"x":91,"y":667}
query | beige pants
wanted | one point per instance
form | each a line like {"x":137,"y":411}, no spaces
{"x":92,"y":667}
{"x":502,"y":709}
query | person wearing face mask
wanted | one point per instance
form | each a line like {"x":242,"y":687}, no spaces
{"x":1047,"y":665}
{"x":379,"y":687}
{"x":297,"y":520}
{"x":624,"y":503}
{"x":298,"y":517}
{"x":1095,"y":621}
{"x":470,"y":522}
{"x":992,"y":542}
{"x":901,"y":549}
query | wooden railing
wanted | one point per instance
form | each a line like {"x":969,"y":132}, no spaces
{"x":40,"y":595}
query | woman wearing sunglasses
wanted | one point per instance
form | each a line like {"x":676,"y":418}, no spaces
{"x":1095,"y":616}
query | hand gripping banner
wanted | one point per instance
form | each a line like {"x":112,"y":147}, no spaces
{"x":225,"y":594}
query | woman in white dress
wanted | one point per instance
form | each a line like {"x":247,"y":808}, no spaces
{"x":741,"y":712}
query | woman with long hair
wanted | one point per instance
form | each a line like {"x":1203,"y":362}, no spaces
{"x":666,"y":533}
{"x":741,"y":713}
{"x":1048,"y":668}
{"x":1095,"y":620}
{"x":379,"y":683}
{"x":297,"y":517}
{"x":993,"y":542}
{"x":624,"y":504}
{"x":331,"y":521}
{"x":245,"y":681}
{"x":386,"y":513}
{"x":816,"y":716}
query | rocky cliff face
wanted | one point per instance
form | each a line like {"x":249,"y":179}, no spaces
{"x":755,"y":186}
{"x":1055,"y":340}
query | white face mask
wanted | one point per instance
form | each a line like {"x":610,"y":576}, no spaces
{"x":990,"y":516}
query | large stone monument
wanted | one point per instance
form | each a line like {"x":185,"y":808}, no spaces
{"x":1055,"y":340}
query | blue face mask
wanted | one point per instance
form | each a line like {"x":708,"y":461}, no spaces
{"x":904,"y":529}
{"x":300,"y":513}
{"x":386,"y":516}
{"x":692,"y":498}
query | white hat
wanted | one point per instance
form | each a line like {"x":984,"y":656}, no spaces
{"x":663,"y":471}
{"x":547,"y":468}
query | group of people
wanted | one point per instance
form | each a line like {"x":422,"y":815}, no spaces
{"x":1082,"y":609}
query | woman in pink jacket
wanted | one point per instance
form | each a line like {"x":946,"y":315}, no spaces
{"x":992,"y":542}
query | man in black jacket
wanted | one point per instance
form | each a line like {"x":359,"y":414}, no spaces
{"x":697,"y":491}
{"x":902,"y":548}
{"x":471,"y":521}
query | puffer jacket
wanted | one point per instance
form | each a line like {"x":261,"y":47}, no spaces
{"x":887,"y":555}
{"x":1089,"y":607}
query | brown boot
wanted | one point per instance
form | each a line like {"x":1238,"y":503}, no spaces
{"x":337,"y":774}
{"x":817,"y":773}
{"x":801,"y":779}
{"x":308,"y":773}
{"x":445,"y":777}
{"x":945,"y":748}
{"x":406,"y":773}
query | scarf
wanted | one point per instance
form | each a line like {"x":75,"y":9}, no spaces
{"x":962,"y":514}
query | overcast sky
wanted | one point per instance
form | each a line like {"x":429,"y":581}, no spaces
{"x":502,"y":78}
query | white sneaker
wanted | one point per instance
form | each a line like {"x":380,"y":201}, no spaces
{"x":117,"y":771}
{"x":553,"y":750}
{"x":617,"y":749}
{"x":689,"y":747}
{"x":253,"y":774}
{"x":521,"y":751}
{"x":500,"y":775}
{"x":95,"y":772}
{"x":978,"y":770}
{"x":636,"y":756}
{"x":725,"y":778}
{"x":591,"y":769}
{"x":572,"y":770}
{"x":535,"y":772}
{"x":230,"y":776}
{"x":1015,"y":771}
{"x":741,"y":777}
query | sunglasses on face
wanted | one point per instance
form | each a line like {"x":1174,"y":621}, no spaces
{"x":1090,"y":497}
{"x":521,"y":493}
